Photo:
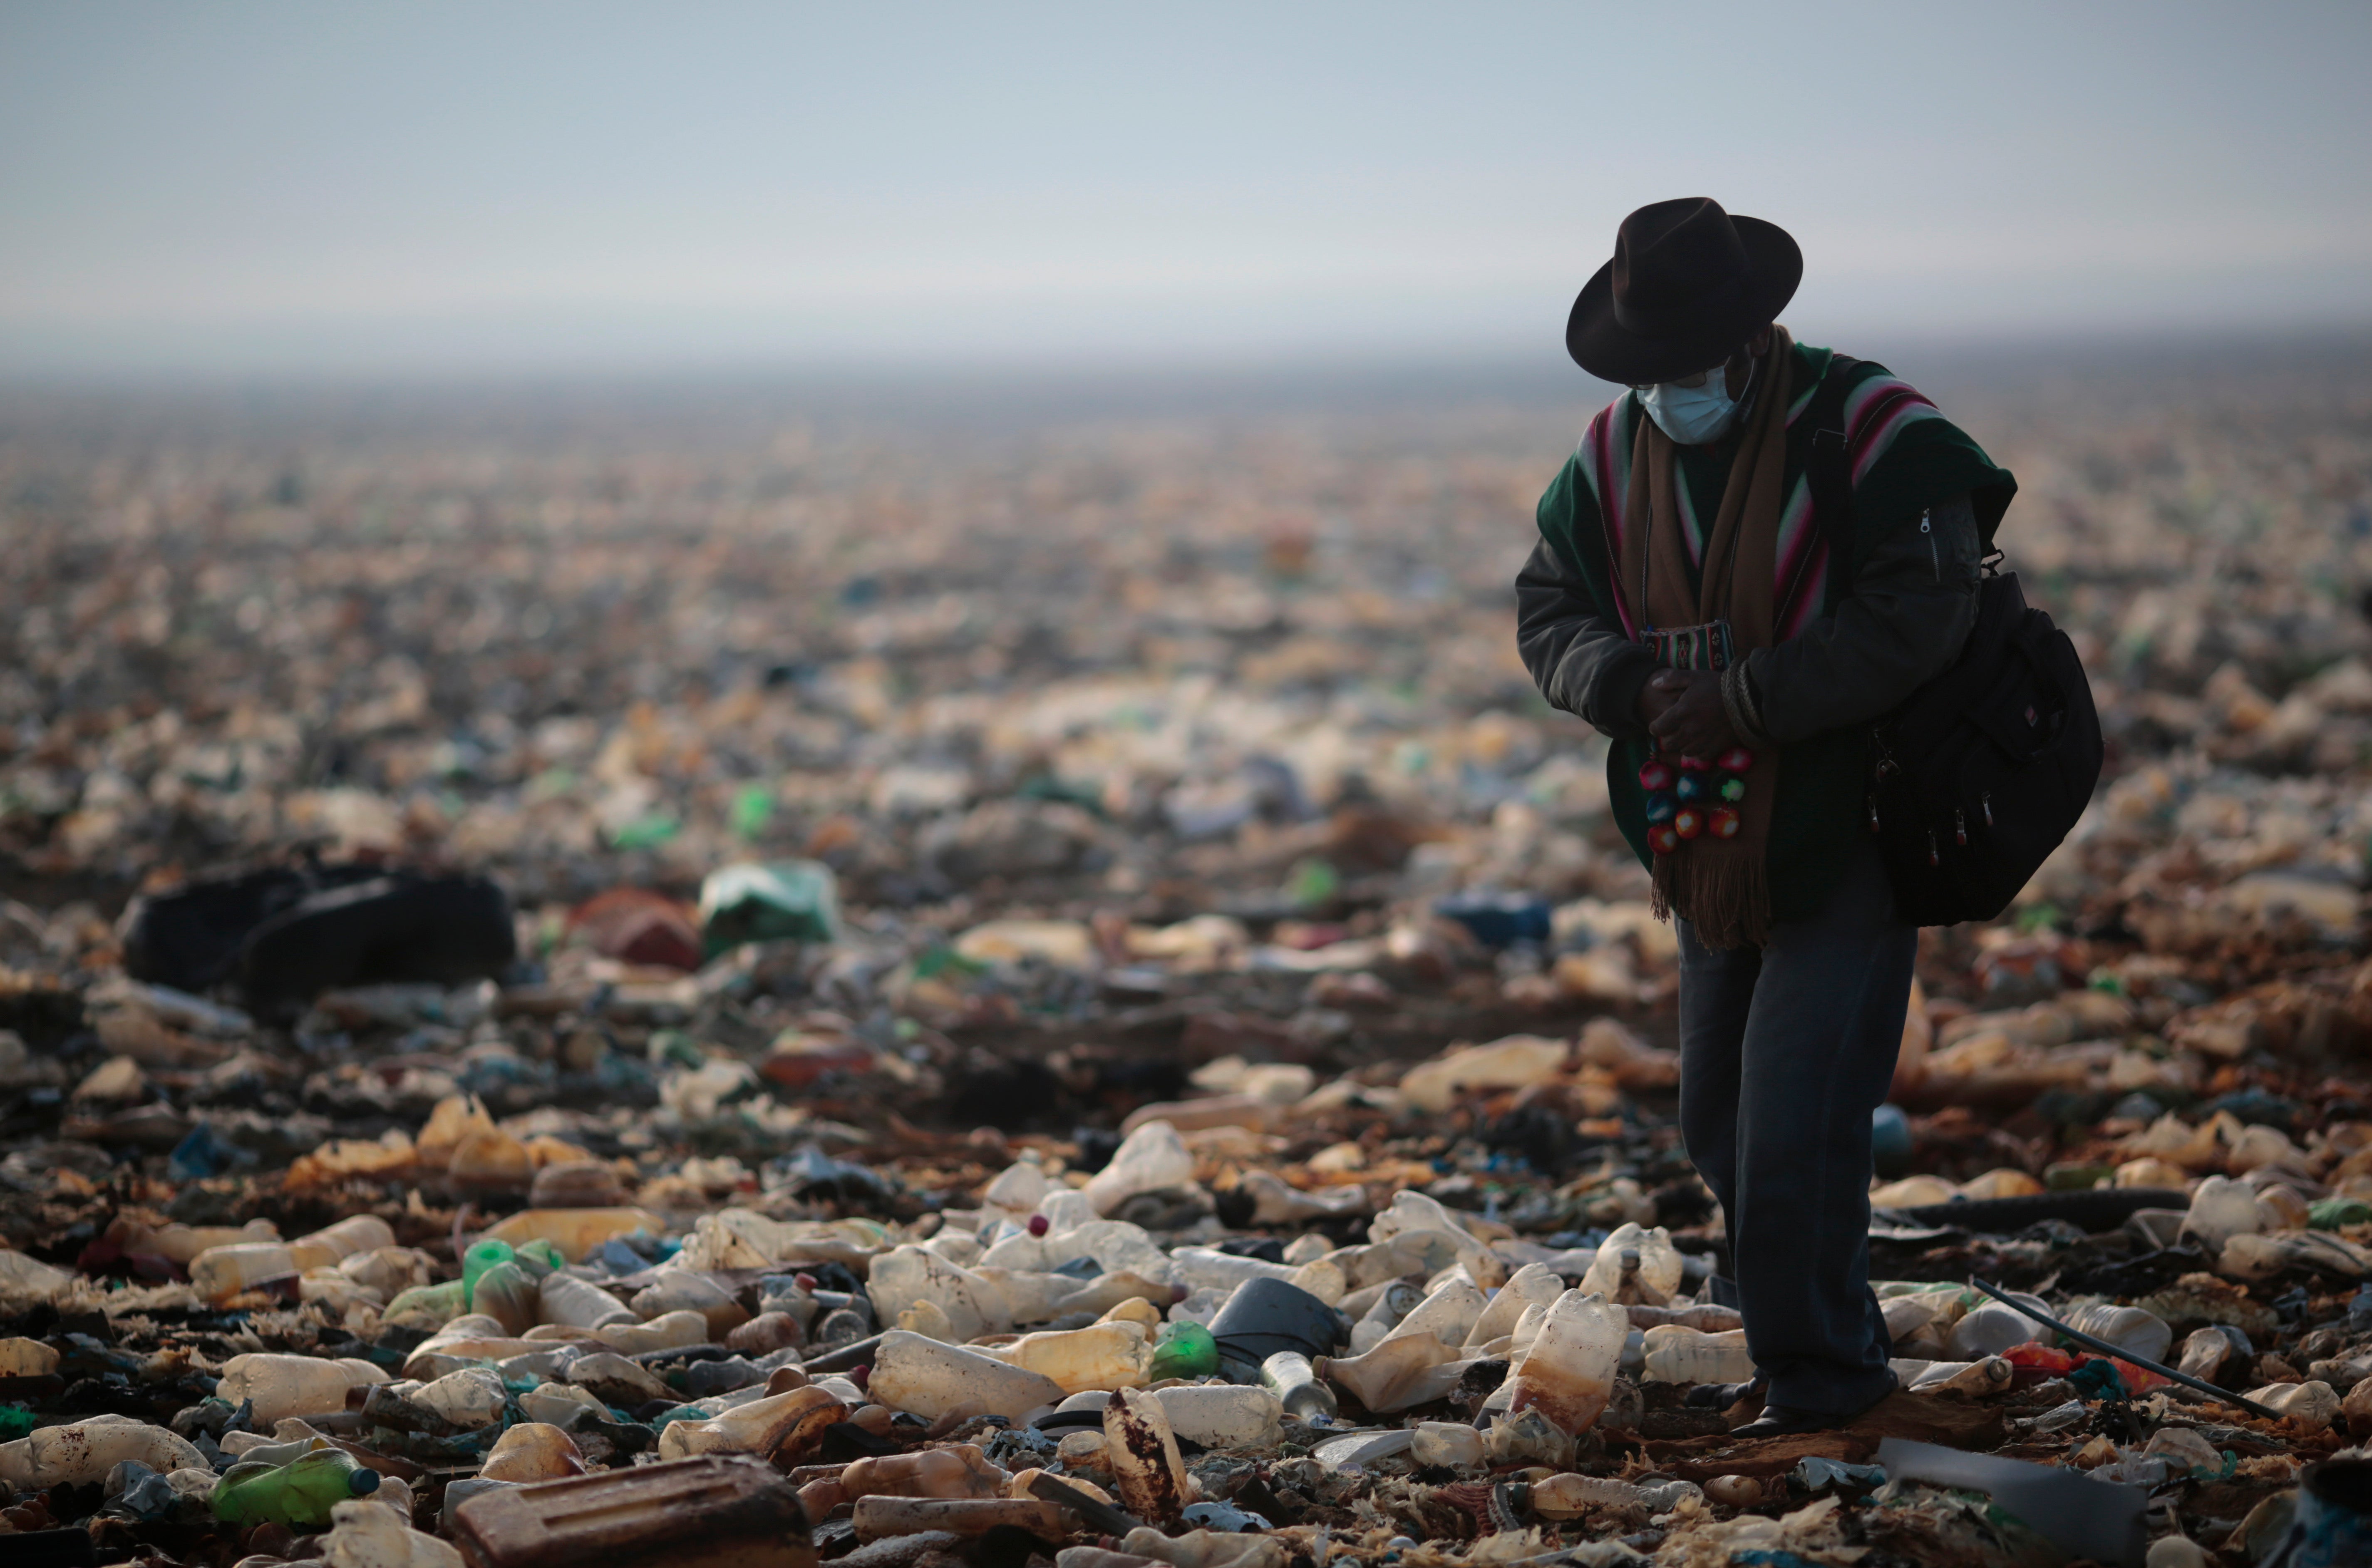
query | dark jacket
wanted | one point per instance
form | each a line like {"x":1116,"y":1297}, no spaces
{"x":1903,"y":623}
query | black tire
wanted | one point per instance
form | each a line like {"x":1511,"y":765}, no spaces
{"x":2097,"y":1209}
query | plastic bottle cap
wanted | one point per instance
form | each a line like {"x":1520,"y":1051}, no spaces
{"x":1039,"y":1225}
{"x":362,"y":1483}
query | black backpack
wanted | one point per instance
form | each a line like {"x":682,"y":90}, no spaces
{"x":1980,"y":773}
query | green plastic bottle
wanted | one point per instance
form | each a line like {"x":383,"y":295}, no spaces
{"x":540,"y":1257}
{"x":1184,"y":1350}
{"x":481,"y":1256}
{"x":300,"y":1494}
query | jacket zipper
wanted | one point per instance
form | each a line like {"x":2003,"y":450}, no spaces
{"x":1934,"y":560}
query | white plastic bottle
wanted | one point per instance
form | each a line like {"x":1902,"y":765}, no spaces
{"x":1149,"y":1159}
{"x":1223,"y":1415}
{"x":1102,"y":1355}
{"x":927,"y":1378}
{"x":2133,"y":1328}
{"x":293,"y":1384}
{"x":1675,"y":1354}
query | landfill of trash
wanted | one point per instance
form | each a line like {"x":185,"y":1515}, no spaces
{"x":752,"y":990}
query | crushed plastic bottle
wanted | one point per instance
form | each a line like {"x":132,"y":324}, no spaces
{"x":1148,"y":1469}
{"x":1568,"y":1373}
{"x":1150,"y":1159}
{"x":783,"y":1427}
{"x":371,"y":1535}
{"x":2133,"y":1328}
{"x":82,"y":1453}
{"x":532,"y":1451}
{"x":931,"y":1380}
{"x":282,"y":1386}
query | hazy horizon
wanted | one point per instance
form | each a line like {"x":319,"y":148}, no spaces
{"x":264,"y":189}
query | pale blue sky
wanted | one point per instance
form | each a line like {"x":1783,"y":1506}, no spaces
{"x":425,"y":186}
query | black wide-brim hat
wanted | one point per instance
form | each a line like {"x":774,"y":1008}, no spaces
{"x":1689,"y":283}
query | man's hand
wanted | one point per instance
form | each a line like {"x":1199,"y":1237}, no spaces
{"x":1684,"y":713}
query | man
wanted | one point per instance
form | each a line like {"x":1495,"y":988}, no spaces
{"x":1732,"y":600}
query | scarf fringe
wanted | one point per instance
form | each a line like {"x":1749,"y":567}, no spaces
{"x":1725,"y":898}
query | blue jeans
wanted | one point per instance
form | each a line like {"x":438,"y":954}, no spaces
{"x":1784,"y":1051}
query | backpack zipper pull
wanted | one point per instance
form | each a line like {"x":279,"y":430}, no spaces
{"x":1933,"y":559}
{"x":1986,"y":800}
{"x":1959,"y":828}
{"x":1873,"y":813}
{"x":1933,"y":857}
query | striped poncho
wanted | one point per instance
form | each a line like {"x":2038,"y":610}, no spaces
{"x":1902,"y":456}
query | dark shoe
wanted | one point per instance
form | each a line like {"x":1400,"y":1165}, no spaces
{"x":1720,"y":1396}
{"x":1785,"y":1421}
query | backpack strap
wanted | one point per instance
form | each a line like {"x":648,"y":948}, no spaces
{"x":1826,"y":467}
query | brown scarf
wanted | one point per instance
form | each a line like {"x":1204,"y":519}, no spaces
{"x":1720,"y":886}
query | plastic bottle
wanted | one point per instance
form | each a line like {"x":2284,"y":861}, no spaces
{"x":293,"y":1384}
{"x":1398,"y":1299}
{"x":1221,"y":1415}
{"x":562,"y":1405}
{"x":575,"y":1184}
{"x":1206,"y":1549}
{"x":1452,"y":1442}
{"x":1200,"y":1268}
{"x":576,"y":1232}
{"x":1148,"y":1469}
{"x":1570,"y":1496}
{"x":1994,"y":1328}
{"x":298,"y":1494}
{"x":1650,"y":1280}
{"x":1448,"y":1314}
{"x":2221,"y":1209}
{"x":1290,"y":1376}
{"x":666,"y":1332}
{"x":427,"y":1306}
{"x":1104,"y":1355}
{"x":962,"y":1470}
{"x":1149,"y":1159}
{"x":929,"y":1380}
{"x":483,"y":1254}
{"x":508,"y":1294}
{"x":490,"y":1160}
{"x":1675,"y":1354}
{"x":463,"y":1400}
{"x":905,"y":1276}
{"x":182,"y":1243}
{"x":1988,"y":1375}
{"x":79,"y":1453}
{"x":26,"y":1358}
{"x":1533,"y":1284}
{"x":580,"y":1304}
{"x":2311,"y":1403}
{"x":878,"y":1519}
{"x":369,"y":1535}
{"x":221,"y":1273}
{"x":1107,"y":1292}
{"x":532,"y":1451}
{"x":1568,"y":1373}
{"x":2134,"y":1328}
{"x":1396,"y":1374}
{"x":780,"y":1427}
{"x":681,"y":1290}
{"x":1184,"y":1350}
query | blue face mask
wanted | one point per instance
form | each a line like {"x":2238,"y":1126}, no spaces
{"x":1693,"y":416}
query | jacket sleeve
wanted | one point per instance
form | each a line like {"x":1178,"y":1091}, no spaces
{"x":1580,"y":660}
{"x":1904,"y":622}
